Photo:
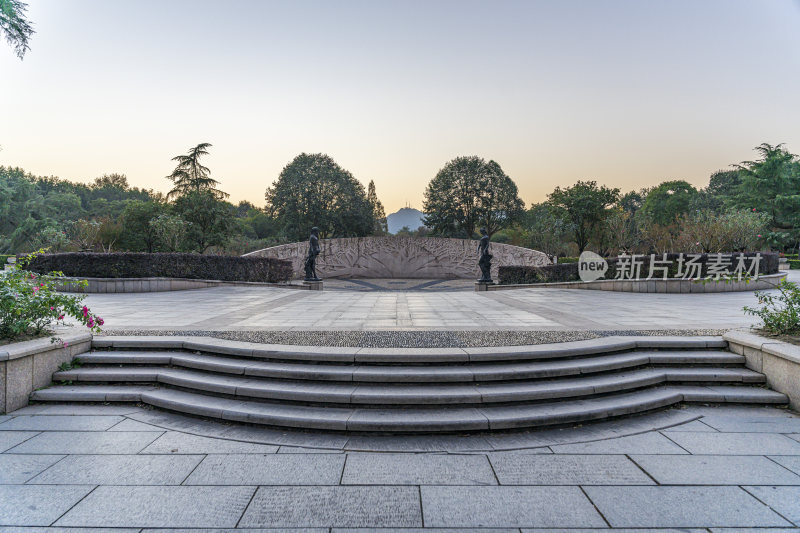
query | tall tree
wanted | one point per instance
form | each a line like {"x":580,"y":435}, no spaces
{"x":585,"y":205}
{"x":312,"y":190}
{"x":378,"y":213}
{"x":192,"y":176}
{"x":469,"y":193}
{"x":209,"y":219}
{"x":669,"y":201}
{"x":14,"y":26}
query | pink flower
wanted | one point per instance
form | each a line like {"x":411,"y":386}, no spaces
{"x":60,"y":317}
{"x":66,"y":344}
{"x":35,"y":290}
{"x":52,"y":308}
{"x":754,"y":209}
{"x":85,"y":311}
{"x":759,"y":235}
{"x":100,"y":321}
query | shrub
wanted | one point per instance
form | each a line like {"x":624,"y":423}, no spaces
{"x":167,"y":265}
{"x":780,"y":312}
{"x":4,"y":260}
{"x":568,"y":259}
{"x":794,"y":264}
{"x":30,"y":304}
{"x":565,"y":271}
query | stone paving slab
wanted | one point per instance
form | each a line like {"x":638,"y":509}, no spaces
{"x":160,"y":507}
{"x":651,"y":442}
{"x":60,"y":423}
{"x":259,"y":530}
{"x":682,"y":507}
{"x":24,"y":505}
{"x":695,"y":426}
{"x":119,"y":470}
{"x":784,"y":500}
{"x":21,"y":529}
{"x":334,"y":507}
{"x":133,"y":425}
{"x":175,"y":442}
{"x":17,"y":469}
{"x":9,"y":439}
{"x":462,"y":507}
{"x":716,"y":470}
{"x":426,"y":530}
{"x":272,"y":469}
{"x":78,"y":409}
{"x":754,"y":530}
{"x":624,"y":530}
{"x":739,"y":424}
{"x":792,"y":462}
{"x":737,"y":443}
{"x":86,"y":442}
{"x":417,"y":469}
{"x":524,"y":469}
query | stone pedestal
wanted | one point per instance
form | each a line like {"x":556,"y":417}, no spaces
{"x":482,"y":286}
{"x":313,"y":285}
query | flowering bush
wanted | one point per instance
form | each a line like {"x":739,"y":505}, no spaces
{"x":780,"y":312}
{"x":30,"y":304}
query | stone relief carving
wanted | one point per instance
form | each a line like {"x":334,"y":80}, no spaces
{"x":401,"y":257}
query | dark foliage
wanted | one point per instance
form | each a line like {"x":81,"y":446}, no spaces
{"x":141,"y":265}
{"x":510,"y":275}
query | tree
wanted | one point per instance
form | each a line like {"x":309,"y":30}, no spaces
{"x":771,"y":185}
{"x":547,"y":230}
{"x":209,"y":219}
{"x":378,"y":213}
{"x":14,"y":26}
{"x":138,"y":234}
{"x":312,"y":190}
{"x":170,"y":230}
{"x":585,"y":205}
{"x":668,"y":202}
{"x":191,"y":176}
{"x":469,"y":193}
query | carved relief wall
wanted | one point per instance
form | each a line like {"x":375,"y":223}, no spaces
{"x":402,"y":257}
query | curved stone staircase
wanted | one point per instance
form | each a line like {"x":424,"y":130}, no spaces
{"x":410,"y":389}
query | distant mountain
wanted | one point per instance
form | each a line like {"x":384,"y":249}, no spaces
{"x":405,"y":217}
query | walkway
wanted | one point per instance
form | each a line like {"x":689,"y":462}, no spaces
{"x":123,"y":467}
{"x":264,"y":309}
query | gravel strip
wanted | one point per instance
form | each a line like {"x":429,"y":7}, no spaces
{"x":413,"y":339}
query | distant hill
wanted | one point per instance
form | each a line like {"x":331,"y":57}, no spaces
{"x":405,"y":217}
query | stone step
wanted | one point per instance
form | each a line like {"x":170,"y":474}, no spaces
{"x":434,"y":419}
{"x":382,"y":373}
{"x":409,"y":355}
{"x":328,"y":392}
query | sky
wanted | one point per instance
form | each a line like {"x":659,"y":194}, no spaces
{"x":629,"y":93}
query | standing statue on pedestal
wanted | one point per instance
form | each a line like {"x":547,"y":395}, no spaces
{"x":313,"y":252}
{"x":485,"y":258}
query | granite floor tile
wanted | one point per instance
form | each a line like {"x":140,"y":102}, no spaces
{"x":694,"y":426}
{"x":792,"y":462}
{"x":523,"y":469}
{"x":417,"y":469}
{"x":623,"y":530}
{"x":119,"y":470}
{"x":682,"y":507}
{"x":133,"y":425}
{"x":715,"y":470}
{"x":87,"y":442}
{"x":185,"y":443}
{"x":759,"y":424}
{"x":258,"y":530}
{"x":270,"y":469}
{"x":191,"y":507}
{"x":651,"y":442}
{"x":737,"y":443}
{"x":784,"y":500}
{"x":754,"y":530}
{"x":60,"y":423}
{"x":9,"y":439}
{"x":22,"y":529}
{"x":370,"y":507}
{"x":426,"y":530}
{"x":24,"y":505}
{"x":17,"y":469}
{"x":542,"y":507}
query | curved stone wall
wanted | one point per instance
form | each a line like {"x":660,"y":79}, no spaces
{"x":401,"y":257}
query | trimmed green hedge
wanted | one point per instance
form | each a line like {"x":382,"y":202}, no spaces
{"x":564,"y":260}
{"x":4,"y":260}
{"x":143,"y":265}
{"x":794,"y":264}
{"x":512,"y":275}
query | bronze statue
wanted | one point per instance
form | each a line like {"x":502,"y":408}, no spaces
{"x":485,"y":258}
{"x":313,"y":252}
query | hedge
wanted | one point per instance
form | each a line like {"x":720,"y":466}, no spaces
{"x":511,"y":275}
{"x":794,"y":264}
{"x":568,"y":259}
{"x":143,"y":265}
{"x":4,"y":260}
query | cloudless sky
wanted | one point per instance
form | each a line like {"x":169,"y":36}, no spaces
{"x":626,"y":92}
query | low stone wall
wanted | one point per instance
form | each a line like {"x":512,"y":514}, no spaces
{"x":122,"y":285}
{"x":778,"y":361}
{"x":674,"y":286}
{"x":402,"y":257}
{"x":29,"y":365}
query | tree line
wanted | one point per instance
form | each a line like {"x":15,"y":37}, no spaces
{"x":755,"y":204}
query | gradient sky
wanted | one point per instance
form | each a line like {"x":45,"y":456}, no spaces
{"x":628,"y":93}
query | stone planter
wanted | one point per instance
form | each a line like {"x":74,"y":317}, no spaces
{"x":29,"y":365}
{"x":778,"y":360}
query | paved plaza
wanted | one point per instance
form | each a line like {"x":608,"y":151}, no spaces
{"x":695,"y":469}
{"x":345,"y":306}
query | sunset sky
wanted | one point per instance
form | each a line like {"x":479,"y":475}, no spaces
{"x":628,"y":93}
